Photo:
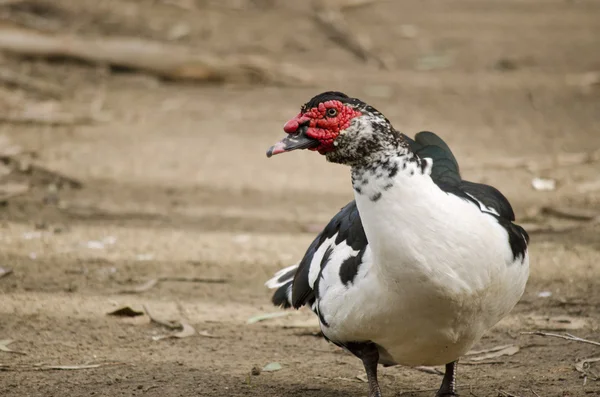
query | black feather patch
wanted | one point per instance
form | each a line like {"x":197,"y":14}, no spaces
{"x":280,"y":296}
{"x":446,"y":175}
{"x":375,"y":197}
{"x":349,"y":268}
{"x":287,"y":276}
{"x":326,"y":256}
{"x":445,"y":169}
{"x":348,"y":226}
{"x":324,"y":261}
{"x":517,"y":238}
{"x":490,"y":197}
{"x":301,"y":290}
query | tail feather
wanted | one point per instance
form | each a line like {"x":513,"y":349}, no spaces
{"x":283,"y":296}
{"x":282,"y":284}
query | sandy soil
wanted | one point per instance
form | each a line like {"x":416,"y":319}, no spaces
{"x":176,"y":184}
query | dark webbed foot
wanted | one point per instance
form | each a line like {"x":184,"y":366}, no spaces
{"x":368,"y":353}
{"x":448,"y":388}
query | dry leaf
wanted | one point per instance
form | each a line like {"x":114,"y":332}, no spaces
{"x":4,"y":347}
{"x":362,"y":377}
{"x":168,"y":324}
{"x":187,"y":330}
{"x":140,"y":288}
{"x":558,"y":323}
{"x":263,"y":317}
{"x":195,"y":280}
{"x":125,"y":312}
{"x":428,"y":370}
{"x":271,"y":367}
{"x":206,"y":334}
{"x":506,"y":351}
{"x":5,"y":271}
{"x":583,"y":365}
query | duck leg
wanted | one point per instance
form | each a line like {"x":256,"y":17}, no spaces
{"x":448,"y":388}
{"x":369,"y":355}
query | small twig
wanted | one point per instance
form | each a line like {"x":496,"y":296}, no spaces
{"x":11,"y":77}
{"x":534,"y":392}
{"x":46,"y":367}
{"x":507,"y":394}
{"x":533,"y":228}
{"x":578,"y":214}
{"x":57,"y":177}
{"x":195,"y":280}
{"x":417,"y":391}
{"x":347,"y":4}
{"x":566,"y":336}
{"x":140,"y":288}
{"x":428,"y":390}
{"x":482,"y":362}
{"x":76,"y":367}
{"x":471,"y":392}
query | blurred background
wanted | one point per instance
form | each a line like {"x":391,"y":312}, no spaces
{"x":133,"y":178}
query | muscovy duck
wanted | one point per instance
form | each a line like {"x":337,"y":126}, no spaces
{"x":420,"y":264}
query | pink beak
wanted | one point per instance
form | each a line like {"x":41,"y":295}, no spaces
{"x":297,"y":138}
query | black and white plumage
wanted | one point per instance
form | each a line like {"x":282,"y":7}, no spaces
{"x":420,"y":264}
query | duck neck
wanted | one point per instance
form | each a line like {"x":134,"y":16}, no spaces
{"x":375,"y":175}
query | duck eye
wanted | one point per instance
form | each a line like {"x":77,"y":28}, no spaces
{"x":331,"y":112}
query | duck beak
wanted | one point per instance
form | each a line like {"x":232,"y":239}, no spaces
{"x":297,"y":140}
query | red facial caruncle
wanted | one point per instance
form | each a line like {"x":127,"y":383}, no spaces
{"x":324,"y":122}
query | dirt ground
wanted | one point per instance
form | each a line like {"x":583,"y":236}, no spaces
{"x":176,"y":185}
